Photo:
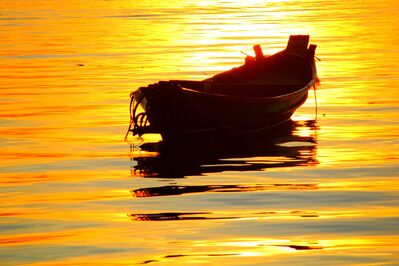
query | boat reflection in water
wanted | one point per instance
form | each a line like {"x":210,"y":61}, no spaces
{"x":284,"y":146}
{"x":291,"y":144}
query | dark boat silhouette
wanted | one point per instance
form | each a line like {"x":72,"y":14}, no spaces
{"x":257,"y":151}
{"x":262,"y":93}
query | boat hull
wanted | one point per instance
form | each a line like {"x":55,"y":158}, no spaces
{"x":174,"y":111}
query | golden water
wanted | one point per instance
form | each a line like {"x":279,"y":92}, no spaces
{"x":73,"y":193}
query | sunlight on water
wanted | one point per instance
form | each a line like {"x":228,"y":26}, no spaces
{"x":73,"y":192}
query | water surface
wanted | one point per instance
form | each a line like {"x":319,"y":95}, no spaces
{"x":73,"y":192}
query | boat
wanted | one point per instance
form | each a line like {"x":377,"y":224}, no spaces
{"x":260,"y":94}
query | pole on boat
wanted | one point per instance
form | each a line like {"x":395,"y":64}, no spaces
{"x":258,"y":52}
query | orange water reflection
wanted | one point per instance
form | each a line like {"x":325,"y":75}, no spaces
{"x":325,"y":193}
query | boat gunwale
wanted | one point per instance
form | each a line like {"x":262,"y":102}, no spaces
{"x":260,"y":98}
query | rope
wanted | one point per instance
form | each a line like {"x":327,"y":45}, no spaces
{"x":315,"y":100}
{"x":131,"y":117}
{"x":138,"y":121}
